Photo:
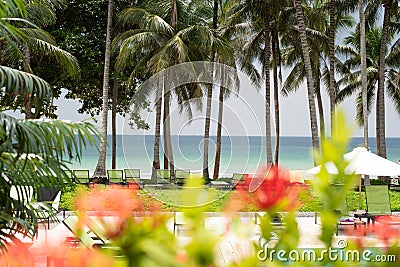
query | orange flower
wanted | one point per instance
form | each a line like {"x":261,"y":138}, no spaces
{"x":17,"y":254}
{"x":88,"y":257}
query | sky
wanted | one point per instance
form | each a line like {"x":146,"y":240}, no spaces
{"x":244,"y":115}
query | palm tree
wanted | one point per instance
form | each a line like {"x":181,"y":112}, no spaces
{"x":32,"y":152}
{"x":100,"y":170}
{"x":380,"y":115}
{"x":279,"y":25}
{"x":350,"y":70}
{"x":154,"y":45}
{"x":207,"y":123}
{"x":266,"y":64}
{"x":318,"y":31}
{"x":226,"y":80}
{"x":310,"y":81}
{"x":255,"y":47}
{"x":317,"y":24}
{"x":332,"y":33}
{"x":363,"y":68}
{"x":336,"y":9}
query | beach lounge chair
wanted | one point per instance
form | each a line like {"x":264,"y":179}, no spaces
{"x":181,"y":176}
{"x":342,"y":210}
{"x":47,"y":203}
{"x":347,"y":220}
{"x":378,"y":200}
{"x":163,"y":177}
{"x":81,"y":176}
{"x":115,"y":177}
{"x":70,"y":178}
{"x":378,"y":205}
{"x":220,"y":184}
{"x":132,"y":177}
{"x":80,"y":235}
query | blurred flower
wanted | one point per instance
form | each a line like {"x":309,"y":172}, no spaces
{"x":181,"y":258}
{"x":384,"y":230}
{"x":88,"y":257}
{"x":274,"y":189}
{"x":117,"y":202}
{"x":17,"y":254}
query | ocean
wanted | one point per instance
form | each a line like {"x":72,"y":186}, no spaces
{"x":239,"y":154}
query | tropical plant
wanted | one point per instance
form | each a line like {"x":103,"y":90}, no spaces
{"x":33,"y":152}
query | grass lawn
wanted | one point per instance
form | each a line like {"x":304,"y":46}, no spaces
{"x":216,"y":200}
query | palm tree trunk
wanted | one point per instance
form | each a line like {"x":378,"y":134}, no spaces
{"x":206,"y":174}
{"x":319,"y":99}
{"x":310,"y":81}
{"x":380,"y":116}
{"x":165,"y":136}
{"x":267,"y":52}
{"x":157,"y":132}
{"x":363,"y":53}
{"x":168,"y":153}
{"x":321,"y":114}
{"x":114,"y":122}
{"x":219,"y":127}
{"x":27,"y":68}
{"x":100,"y":170}
{"x":275,"y":51}
{"x":332,"y":90}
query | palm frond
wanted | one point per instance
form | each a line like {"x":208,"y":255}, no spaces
{"x":40,"y":14}
{"x":17,"y":85}
{"x":62,"y":57}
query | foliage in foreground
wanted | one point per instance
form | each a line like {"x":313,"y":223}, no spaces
{"x":33,"y":152}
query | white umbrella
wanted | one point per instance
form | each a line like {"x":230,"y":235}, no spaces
{"x":362,"y":161}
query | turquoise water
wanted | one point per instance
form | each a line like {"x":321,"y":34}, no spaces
{"x":239,"y":153}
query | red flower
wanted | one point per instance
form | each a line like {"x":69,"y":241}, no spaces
{"x":274,"y":188}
